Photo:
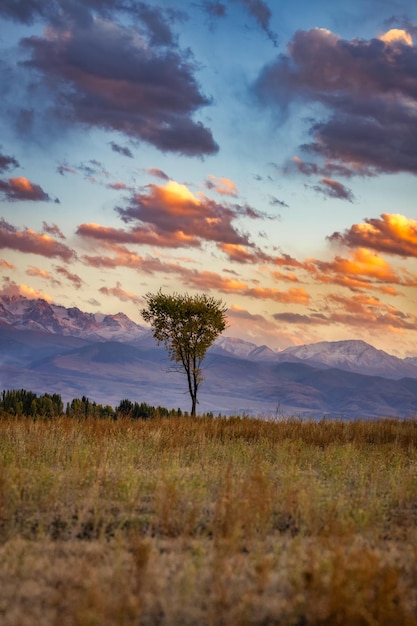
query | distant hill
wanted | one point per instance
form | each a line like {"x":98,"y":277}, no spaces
{"x":43,"y":349}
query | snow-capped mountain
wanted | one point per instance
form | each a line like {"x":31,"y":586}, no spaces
{"x":236,"y":347}
{"x":24,"y":314}
{"x":352,"y":356}
{"x":49,"y":348}
{"x":349,"y":355}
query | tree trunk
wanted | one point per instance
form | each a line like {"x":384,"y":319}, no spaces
{"x":193,"y":406}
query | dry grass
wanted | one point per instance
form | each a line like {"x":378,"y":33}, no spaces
{"x":208,"y":521}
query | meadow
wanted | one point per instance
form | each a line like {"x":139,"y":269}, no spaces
{"x":207,"y":521}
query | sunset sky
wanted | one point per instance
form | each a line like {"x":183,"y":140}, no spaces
{"x":262,"y":151}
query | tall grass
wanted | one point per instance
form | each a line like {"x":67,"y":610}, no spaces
{"x":208,"y":521}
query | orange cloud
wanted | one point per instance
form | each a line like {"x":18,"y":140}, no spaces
{"x":397,"y":35}
{"x":358,"y":311}
{"x":22,"y":189}
{"x":172,"y":208}
{"x":30,"y":242}
{"x":39,"y":273}
{"x":223,"y":186}
{"x":393,"y":234}
{"x":73,"y":278}
{"x":367,"y":311}
{"x":241,"y":254}
{"x":360,"y":271}
{"x":6,"y":265}
{"x":118,"y":292}
{"x":139,"y":236}
{"x":10,"y":288}
{"x":211,"y":280}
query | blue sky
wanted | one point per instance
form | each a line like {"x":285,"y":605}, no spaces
{"x":264,"y":152}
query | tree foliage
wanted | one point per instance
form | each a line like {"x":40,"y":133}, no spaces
{"x":187,"y":325}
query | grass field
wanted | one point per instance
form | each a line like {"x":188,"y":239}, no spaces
{"x":208,"y":522}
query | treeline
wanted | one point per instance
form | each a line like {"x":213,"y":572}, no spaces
{"x":23,"y":403}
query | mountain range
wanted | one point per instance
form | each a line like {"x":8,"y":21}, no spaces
{"x":50,"y":348}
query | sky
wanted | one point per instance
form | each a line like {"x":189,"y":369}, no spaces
{"x":261,"y":151}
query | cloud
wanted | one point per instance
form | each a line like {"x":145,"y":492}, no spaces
{"x":123,"y":150}
{"x":334,"y":189}
{"x":257,"y":9}
{"x":261,"y":12}
{"x":118,"y":186}
{"x":369,"y":88}
{"x":118,"y":292}
{"x":364,"y":270}
{"x":72,"y":278}
{"x":174,"y":211}
{"x":298,"y":318}
{"x":10,"y":288}
{"x":154,"y":171}
{"x":211,"y":280}
{"x":214,"y":9}
{"x":140,"y":236}
{"x":6,"y":265}
{"x":23,"y":11}
{"x":367,"y":311}
{"x":156,"y":23}
{"x":223,"y":186}
{"x":36,"y":272}
{"x":241,"y":254}
{"x":22,"y":189}
{"x":153,"y":20}
{"x":273,"y":201}
{"x":64,"y":168}
{"x":7,"y":162}
{"x":329,"y":169}
{"x":112,"y":77}
{"x":53,"y":229}
{"x":358,"y":311}
{"x":30,"y":242}
{"x":391,"y":233}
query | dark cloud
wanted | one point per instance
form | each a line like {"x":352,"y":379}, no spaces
{"x":81,"y":12}
{"x":123,"y":150}
{"x":214,"y":9}
{"x":333,"y":189}
{"x":64,"y":168}
{"x":25,"y":11}
{"x":369,"y":89}
{"x":105,"y":75}
{"x":156,"y":22}
{"x":30,"y":242}
{"x":261,"y":12}
{"x":7,"y":162}
{"x":257,"y":9}
{"x":328,"y":170}
{"x":273,"y":201}
{"x":391,"y":233}
{"x":293,"y":318}
{"x":22,"y":189}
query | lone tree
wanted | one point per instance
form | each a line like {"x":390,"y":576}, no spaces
{"x":187,"y":326}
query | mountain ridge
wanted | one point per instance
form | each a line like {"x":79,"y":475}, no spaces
{"x":352,"y":355}
{"x":240,"y":377}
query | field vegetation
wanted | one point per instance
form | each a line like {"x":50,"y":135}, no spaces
{"x":208,"y":521}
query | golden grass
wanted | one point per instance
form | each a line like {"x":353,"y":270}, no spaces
{"x":208,"y":521}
